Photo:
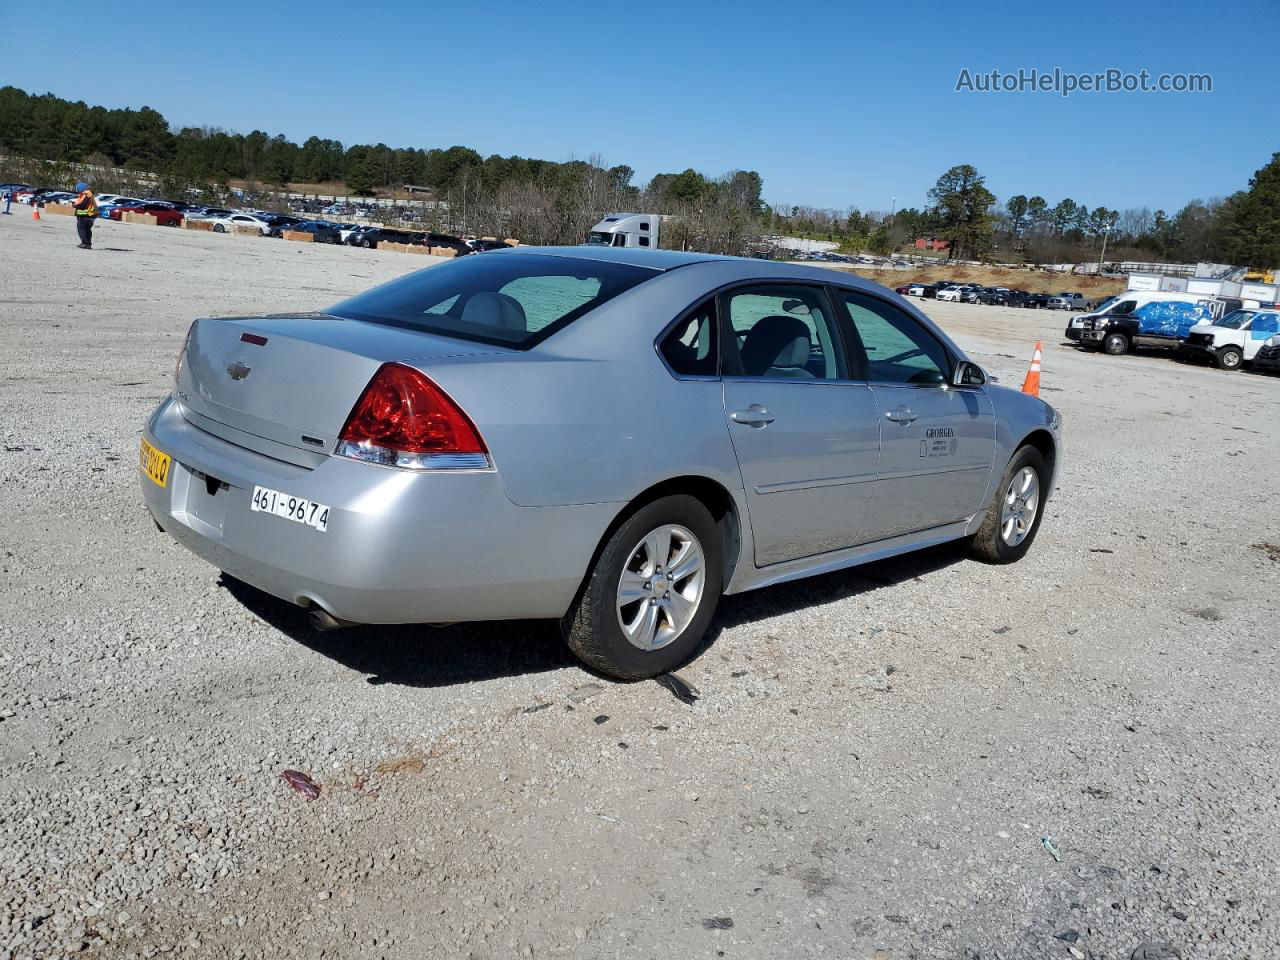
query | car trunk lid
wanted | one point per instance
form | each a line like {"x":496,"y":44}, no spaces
{"x":284,"y":386}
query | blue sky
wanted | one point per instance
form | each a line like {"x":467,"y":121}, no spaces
{"x":835,"y":104}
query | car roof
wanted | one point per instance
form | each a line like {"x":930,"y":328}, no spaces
{"x":653,"y":259}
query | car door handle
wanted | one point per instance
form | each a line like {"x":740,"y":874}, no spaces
{"x":900,"y":415}
{"x":753,"y":416}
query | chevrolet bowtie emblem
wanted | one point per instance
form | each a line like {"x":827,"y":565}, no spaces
{"x":238,"y":370}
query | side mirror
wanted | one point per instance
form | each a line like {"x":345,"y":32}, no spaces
{"x":969,"y":375}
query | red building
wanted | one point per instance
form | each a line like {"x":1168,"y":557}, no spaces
{"x":930,"y":243}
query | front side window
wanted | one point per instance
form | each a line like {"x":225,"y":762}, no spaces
{"x":781,"y":331}
{"x":895,"y":346}
{"x":690,"y":347}
{"x":510,"y":300}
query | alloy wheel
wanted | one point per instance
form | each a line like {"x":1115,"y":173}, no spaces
{"x":661,"y":587}
{"x":1018,"y":511}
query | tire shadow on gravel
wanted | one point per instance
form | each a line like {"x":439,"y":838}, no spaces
{"x":418,"y":655}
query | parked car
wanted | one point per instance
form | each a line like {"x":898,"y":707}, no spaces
{"x":165,"y":215}
{"x":321,"y":230}
{"x":1001,"y":297}
{"x":56,"y":196}
{"x":1058,"y":303}
{"x":104,"y":209}
{"x":953,"y":293}
{"x":373,"y":236}
{"x":1234,"y":340}
{"x":222,"y":224}
{"x":209,"y":213}
{"x":446,"y":240}
{"x":345,"y":230}
{"x":481,"y":246}
{"x":1267,"y":359}
{"x":1036,"y":301}
{"x":280,"y":220}
{"x":408,"y":451}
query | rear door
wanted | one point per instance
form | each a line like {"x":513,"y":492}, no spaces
{"x":937,"y":441}
{"x":804,"y":433}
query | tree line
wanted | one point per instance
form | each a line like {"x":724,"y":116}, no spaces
{"x":1243,"y":228}
{"x":539,"y":201}
{"x":544,"y":201}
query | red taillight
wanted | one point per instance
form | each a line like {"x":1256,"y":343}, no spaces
{"x":403,"y":419}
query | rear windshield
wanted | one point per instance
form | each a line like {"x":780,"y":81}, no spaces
{"x":510,"y":300}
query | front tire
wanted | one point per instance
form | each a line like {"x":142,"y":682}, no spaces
{"x":1229,"y":358}
{"x":1013,"y":518}
{"x":219,"y":228}
{"x":650,"y":595}
{"x":1116,"y":344}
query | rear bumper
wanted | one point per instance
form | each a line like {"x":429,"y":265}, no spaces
{"x":400,"y":547}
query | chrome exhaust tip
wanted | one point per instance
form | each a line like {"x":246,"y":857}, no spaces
{"x":324,"y":621}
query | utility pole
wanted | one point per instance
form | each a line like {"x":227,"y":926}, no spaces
{"x":1106,"y":232}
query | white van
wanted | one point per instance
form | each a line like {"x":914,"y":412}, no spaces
{"x":1233,"y":340}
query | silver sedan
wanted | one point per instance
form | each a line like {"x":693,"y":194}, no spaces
{"x":610,"y":438}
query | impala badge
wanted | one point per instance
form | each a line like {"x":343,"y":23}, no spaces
{"x":238,"y":370}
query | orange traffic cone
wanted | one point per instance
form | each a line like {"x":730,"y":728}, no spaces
{"x":1031,"y":385}
{"x":35,"y":212}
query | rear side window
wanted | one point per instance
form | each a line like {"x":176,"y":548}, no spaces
{"x":690,"y":347}
{"x":511,"y":300}
{"x":781,"y":332}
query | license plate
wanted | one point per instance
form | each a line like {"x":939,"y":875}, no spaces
{"x":154,"y":463}
{"x":297,"y":509}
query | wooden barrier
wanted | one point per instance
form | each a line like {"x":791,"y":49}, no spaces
{"x":299,"y":236}
{"x":197,"y":225}
{"x":247,"y":230}
{"x":146,"y":219}
{"x":61,"y":209}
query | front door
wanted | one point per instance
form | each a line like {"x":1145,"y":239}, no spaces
{"x":805,"y":436}
{"x":937,"y":441}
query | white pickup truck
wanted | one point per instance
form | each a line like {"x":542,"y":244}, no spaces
{"x":1233,"y":340}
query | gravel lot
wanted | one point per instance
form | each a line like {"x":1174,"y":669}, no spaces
{"x":870,"y":771}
